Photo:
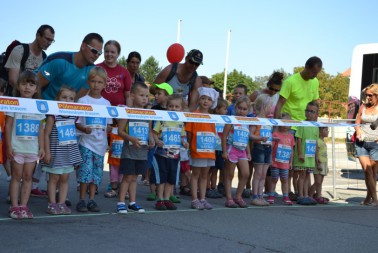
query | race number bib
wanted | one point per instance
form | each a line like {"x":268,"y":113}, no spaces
{"x":241,"y":136}
{"x":139,"y":130}
{"x":283,"y":154}
{"x":117,"y":148}
{"x":171,"y":137}
{"x":27,"y":127}
{"x":95,"y":123}
{"x":266,"y":131}
{"x":66,"y":132}
{"x":310,"y":148}
{"x":219,"y":128}
{"x":205,"y":142}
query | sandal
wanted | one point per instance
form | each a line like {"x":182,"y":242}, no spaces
{"x":185,"y":190}
{"x":111,"y":194}
{"x":321,"y":200}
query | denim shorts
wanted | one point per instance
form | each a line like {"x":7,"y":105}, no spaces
{"x":369,"y":149}
{"x":261,"y":153}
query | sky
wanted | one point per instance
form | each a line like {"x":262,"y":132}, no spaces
{"x":266,"y":35}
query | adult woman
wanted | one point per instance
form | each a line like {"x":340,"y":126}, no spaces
{"x":133,"y":61}
{"x":366,"y":144}
{"x":117,"y":89}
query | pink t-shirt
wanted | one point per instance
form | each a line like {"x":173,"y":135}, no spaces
{"x":119,"y":81}
{"x":284,"y":147}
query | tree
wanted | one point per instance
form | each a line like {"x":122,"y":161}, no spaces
{"x":150,"y":69}
{"x":122,"y":61}
{"x":234,"y":78}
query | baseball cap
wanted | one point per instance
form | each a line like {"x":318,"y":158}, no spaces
{"x":165,"y":86}
{"x":196,"y":56}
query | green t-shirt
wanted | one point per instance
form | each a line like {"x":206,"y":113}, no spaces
{"x":298,"y":93}
{"x":308,"y":136}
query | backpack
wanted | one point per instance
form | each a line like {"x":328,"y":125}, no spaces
{"x":4,"y":58}
{"x":191,"y":81}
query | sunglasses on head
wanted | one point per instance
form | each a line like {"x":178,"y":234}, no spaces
{"x":273,"y":89}
{"x":194,"y":63}
{"x":94,"y":50}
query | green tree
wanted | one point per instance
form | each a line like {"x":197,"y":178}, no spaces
{"x":122,"y":61}
{"x":150,"y":69}
{"x":234,"y":78}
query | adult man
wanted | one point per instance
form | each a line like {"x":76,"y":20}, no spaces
{"x":299,"y":89}
{"x":44,"y":38}
{"x":183,"y":77}
{"x":70,"y":68}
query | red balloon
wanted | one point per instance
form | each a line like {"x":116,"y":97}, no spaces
{"x":175,"y":53}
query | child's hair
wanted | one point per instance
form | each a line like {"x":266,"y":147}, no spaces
{"x":97,"y":71}
{"x":27,"y":76}
{"x":3,"y":84}
{"x":176,"y":97}
{"x":275,"y":78}
{"x":242,"y":86}
{"x":322,"y":129}
{"x":221,"y":104}
{"x":263,"y":102}
{"x":314,"y":103}
{"x":64,"y":87}
{"x":243,"y":99}
{"x":138,"y":85}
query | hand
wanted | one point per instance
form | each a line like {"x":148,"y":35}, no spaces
{"x":186,"y":145}
{"x":47,"y":157}
{"x":10,"y":154}
{"x":160,"y":143}
{"x":301,"y":158}
{"x":249,"y":157}
{"x":88,"y":130}
{"x":135,"y":142}
{"x":225,"y":155}
{"x":264,"y":139}
{"x":41,"y":153}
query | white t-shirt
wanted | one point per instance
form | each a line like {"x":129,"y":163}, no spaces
{"x":97,"y":141}
{"x":25,"y":131}
{"x":14,"y":60}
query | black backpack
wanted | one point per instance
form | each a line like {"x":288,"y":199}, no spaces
{"x":4,"y":58}
{"x":191,"y":81}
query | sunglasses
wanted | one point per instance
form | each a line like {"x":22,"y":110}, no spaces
{"x":194,"y":63}
{"x":273,"y":89}
{"x":311,"y":111}
{"x":94,"y":50}
{"x":369,"y":95}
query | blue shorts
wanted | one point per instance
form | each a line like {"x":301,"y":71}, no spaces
{"x":166,"y":170}
{"x":369,"y":149}
{"x":91,"y":169}
{"x":132,"y":167}
{"x":261,"y":153}
{"x":219,"y":161}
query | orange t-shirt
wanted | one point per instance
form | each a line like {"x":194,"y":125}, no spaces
{"x":203,"y":136}
{"x":116,"y":143}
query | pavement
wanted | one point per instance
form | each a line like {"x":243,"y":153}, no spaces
{"x":341,"y":226}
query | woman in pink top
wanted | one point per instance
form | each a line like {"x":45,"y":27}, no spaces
{"x":118,"y":84}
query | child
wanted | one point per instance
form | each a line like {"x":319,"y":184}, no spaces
{"x":261,"y":151}
{"x":239,"y":90}
{"x":201,"y":137}
{"x":321,"y":168}
{"x":93,"y":142}
{"x":62,"y":153}
{"x":169,"y":136}
{"x":24,"y":140}
{"x":282,"y":159}
{"x":236,"y":151}
{"x":3,"y":84}
{"x":305,"y":154}
{"x":136,"y":135}
{"x":211,"y":191}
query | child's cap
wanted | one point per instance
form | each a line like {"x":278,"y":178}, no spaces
{"x":165,"y":86}
{"x":210,"y":92}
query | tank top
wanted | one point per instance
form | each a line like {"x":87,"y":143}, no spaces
{"x":178,"y":87}
{"x":367,"y":134}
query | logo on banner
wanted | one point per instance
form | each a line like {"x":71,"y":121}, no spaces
{"x":173,"y":116}
{"x":78,"y":107}
{"x":9,"y":101}
{"x":42,"y":106}
{"x":112,"y":111}
{"x":140,"y":111}
{"x":197,"y":116}
{"x":226,"y":119}
{"x":273,"y":122}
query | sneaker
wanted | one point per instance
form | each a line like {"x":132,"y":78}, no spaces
{"x":304,"y":201}
{"x":160,"y":205}
{"x":196,"y":204}
{"x":121,"y":208}
{"x":264,"y":202}
{"x":15,"y":213}
{"x":151,"y":196}
{"x":81,"y":207}
{"x":293,"y":196}
{"x":68,"y":202}
{"x":206,"y":204}
{"x":169,"y":205}
{"x":210,"y":193}
{"x":174,"y":199}
{"x":230,"y":204}
{"x":287,"y":201}
{"x":25,"y":212}
{"x":240,"y":202}
{"x":111,"y":194}
{"x":53,"y":209}
{"x":38,"y":193}
{"x":270,"y":200}
{"x":136,"y":208}
{"x":256,"y":202}
{"x":92,"y":206}
{"x":246,"y":193}
{"x":64,"y":209}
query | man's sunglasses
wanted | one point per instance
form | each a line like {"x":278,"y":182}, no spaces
{"x":94,"y":50}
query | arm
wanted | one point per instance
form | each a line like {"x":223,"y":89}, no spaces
{"x":194,"y":95}
{"x":254,"y":137}
{"x":162,"y":76}
{"x":226,"y":131}
{"x":83,"y":129}
{"x":8,"y":136}
{"x":189,"y":136}
{"x":358,"y":121}
{"x":299,"y":145}
{"x":41,"y":141}
{"x":151,"y":139}
{"x":48,"y":127}
{"x":249,"y":152}
{"x":158,"y":142}
{"x":13,"y":76}
{"x":277,"y":111}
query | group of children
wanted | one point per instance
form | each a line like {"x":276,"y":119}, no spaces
{"x":190,"y":154}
